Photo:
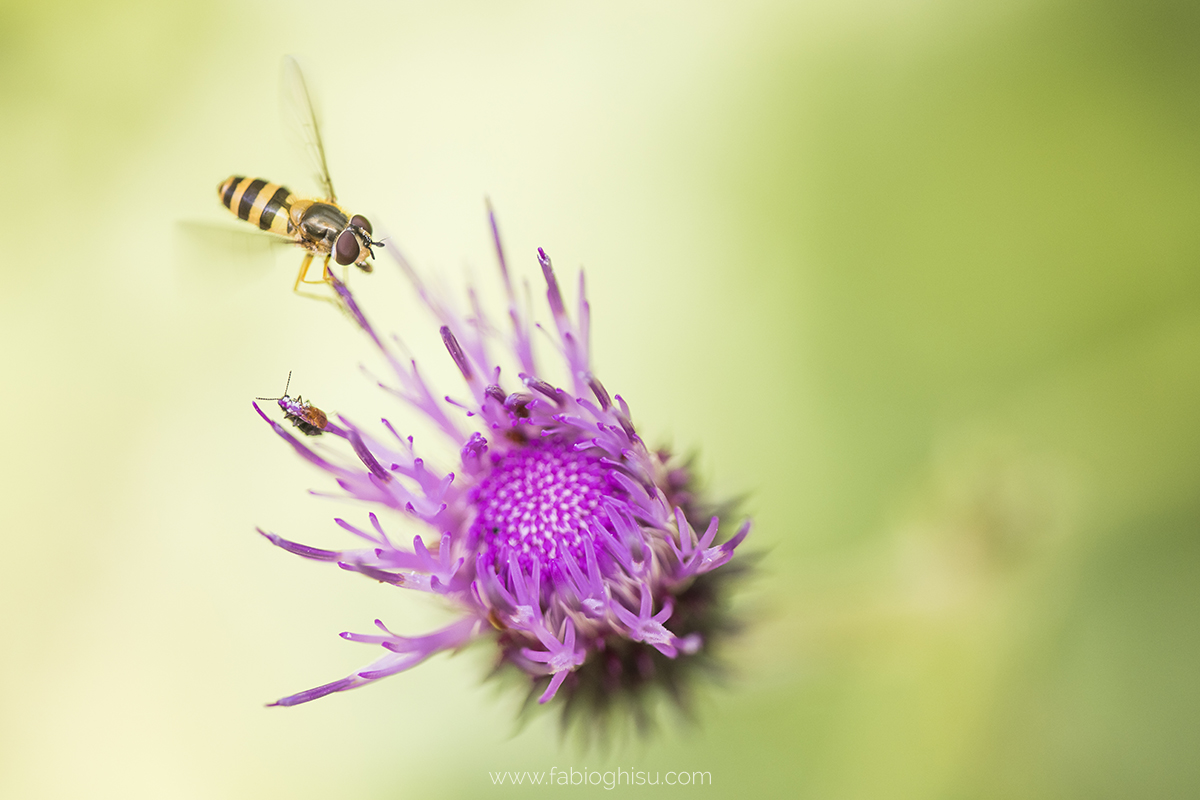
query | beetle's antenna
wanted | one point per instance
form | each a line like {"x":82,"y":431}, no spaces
{"x":285,"y":388}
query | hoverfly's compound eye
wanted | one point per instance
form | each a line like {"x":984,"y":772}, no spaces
{"x":346,"y":248}
{"x":358,"y":221}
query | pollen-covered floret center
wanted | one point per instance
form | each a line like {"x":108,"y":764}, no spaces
{"x":538,"y":501}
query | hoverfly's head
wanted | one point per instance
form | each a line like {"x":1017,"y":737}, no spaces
{"x":353,"y":245}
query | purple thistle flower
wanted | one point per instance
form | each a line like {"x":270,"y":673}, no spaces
{"x":563,"y":538}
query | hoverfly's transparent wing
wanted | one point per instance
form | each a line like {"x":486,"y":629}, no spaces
{"x":219,"y":253}
{"x":301,"y":120}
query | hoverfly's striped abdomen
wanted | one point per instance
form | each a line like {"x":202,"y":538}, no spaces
{"x":259,"y":202}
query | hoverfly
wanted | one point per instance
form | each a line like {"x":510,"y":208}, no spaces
{"x":322,"y":227}
{"x":301,"y":413}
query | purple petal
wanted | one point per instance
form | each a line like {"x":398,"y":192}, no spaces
{"x":456,"y":352}
{"x":302,"y":549}
{"x":313,"y":694}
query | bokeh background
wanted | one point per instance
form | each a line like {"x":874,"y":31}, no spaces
{"x":918,"y":278}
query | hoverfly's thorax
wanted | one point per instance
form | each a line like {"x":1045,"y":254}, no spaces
{"x":321,"y":223}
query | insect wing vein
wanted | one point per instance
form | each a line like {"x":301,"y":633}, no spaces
{"x":302,"y":120}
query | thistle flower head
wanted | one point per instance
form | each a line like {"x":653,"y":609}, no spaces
{"x":581,"y":553}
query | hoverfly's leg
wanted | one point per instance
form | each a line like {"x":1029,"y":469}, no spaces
{"x":323,"y":298}
{"x":304,"y":265}
{"x":308,"y":259}
{"x":303,"y":271}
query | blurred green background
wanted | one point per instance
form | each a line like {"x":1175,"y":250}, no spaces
{"x":918,"y":278}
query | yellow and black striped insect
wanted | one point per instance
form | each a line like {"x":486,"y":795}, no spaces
{"x":320,"y":226}
{"x":301,"y":413}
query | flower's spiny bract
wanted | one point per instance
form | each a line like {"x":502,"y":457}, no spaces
{"x":563,"y":538}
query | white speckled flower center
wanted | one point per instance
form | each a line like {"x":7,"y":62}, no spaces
{"x":537,"y":502}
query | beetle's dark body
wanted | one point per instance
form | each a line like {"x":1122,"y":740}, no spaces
{"x":304,"y":415}
{"x":301,"y":413}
